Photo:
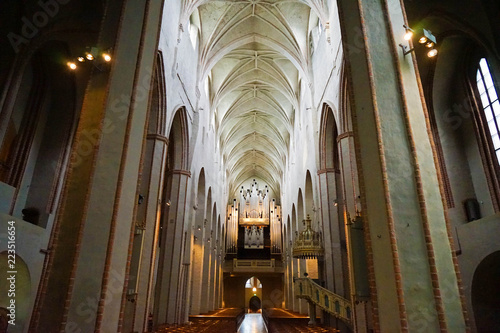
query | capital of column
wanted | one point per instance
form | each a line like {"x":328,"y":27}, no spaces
{"x":180,"y":172}
{"x":345,"y":135}
{"x":328,"y":170}
{"x":157,"y":137}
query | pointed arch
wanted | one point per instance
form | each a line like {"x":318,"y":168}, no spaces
{"x":179,"y":140}
{"x":157,"y":119}
{"x":328,"y":150}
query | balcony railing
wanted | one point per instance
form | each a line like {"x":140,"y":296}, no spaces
{"x":254,"y":265}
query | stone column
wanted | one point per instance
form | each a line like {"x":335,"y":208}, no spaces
{"x":332,"y":231}
{"x":84,"y":285}
{"x":312,"y":314}
{"x":414,"y":278}
{"x":171,"y":251}
{"x":156,"y":148}
{"x":206,"y":263}
{"x":296,"y":274}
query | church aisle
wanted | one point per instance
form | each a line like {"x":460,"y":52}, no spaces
{"x":253,"y":323}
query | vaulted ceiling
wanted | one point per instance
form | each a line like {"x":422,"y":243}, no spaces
{"x":254,"y":54}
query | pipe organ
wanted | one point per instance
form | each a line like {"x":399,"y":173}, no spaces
{"x":253,"y":223}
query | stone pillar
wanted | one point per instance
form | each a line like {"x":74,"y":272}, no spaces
{"x":84,"y":285}
{"x":217,"y":266}
{"x":332,"y":231}
{"x":414,"y":278}
{"x":211,"y":280}
{"x":312,"y":313}
{"x":296,"y":274}
{"x":188,"y":266}
{"x":156,"y":148}
{"x":358,"y":281}
{"x":167,"y":296}
{"x":205,"y":279}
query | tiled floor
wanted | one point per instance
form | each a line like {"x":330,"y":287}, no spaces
{"x":253,"y":323}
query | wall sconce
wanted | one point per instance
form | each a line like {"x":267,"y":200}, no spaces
{"x":99,"y":58}
{"x":335,"y":202}
{"x":426,"y":39}
{"x":168,"y":203}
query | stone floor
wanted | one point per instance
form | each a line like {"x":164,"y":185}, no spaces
{"x":253,"y":323}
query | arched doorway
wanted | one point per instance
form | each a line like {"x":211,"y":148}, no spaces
{"x":254,"y":305}
{"x":253,"y":295}
{"x":485,"y":291}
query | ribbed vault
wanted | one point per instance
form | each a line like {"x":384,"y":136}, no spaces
{"x":254,"y":55}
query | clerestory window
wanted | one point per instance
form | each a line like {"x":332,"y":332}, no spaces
{"x":490,"y":103}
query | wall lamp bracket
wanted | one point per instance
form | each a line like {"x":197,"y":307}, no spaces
{"x":406,"y":49}
{"x":425,"y":39}
{"x":99,"y":58}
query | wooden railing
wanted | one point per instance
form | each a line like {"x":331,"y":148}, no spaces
{"x":257,"y":265}
{"x":325,"y":299}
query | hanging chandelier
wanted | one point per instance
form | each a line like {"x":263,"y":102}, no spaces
{"x":308,"y":244}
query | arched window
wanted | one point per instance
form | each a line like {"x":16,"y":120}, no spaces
{"x":490,"y":103}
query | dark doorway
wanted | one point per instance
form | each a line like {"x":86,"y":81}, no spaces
{"x":485,"y":291}
{"x":255,"y":304}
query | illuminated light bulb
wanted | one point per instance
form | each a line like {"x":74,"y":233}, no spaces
{"x":71,"y":65}
{"x":80,"y":59}
{"x":106,"y":57}
{"x":432,"y":53}
{"x":430,"y":45}
{"x":408,"y":35}
{"x":89,"y":56}
{"x":422,"y":40}
{"x":254,"y":289}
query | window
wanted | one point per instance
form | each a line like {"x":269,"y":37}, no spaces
{"x":490,"y":103}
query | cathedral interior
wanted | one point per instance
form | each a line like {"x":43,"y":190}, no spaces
{"x":164,"y":162}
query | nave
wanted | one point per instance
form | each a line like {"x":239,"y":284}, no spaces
{"x":167,"y":159}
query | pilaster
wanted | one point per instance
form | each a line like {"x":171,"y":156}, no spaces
{"x":414,"y":284}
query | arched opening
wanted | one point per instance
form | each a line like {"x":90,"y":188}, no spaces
{"x":198,"y":246}
{"x":206,"y":245}
{"x":255,"y":305}
{"x":33,"y":156}
{"x":300,"y":211}
{"x":461,"y":129}
{"x":253,"y":295}
{"x":149,"y":199}
{"x":312,"y":265}
{"x":171,"y":227}
{"x":485,"y":291}
{"x":309,"y":199}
